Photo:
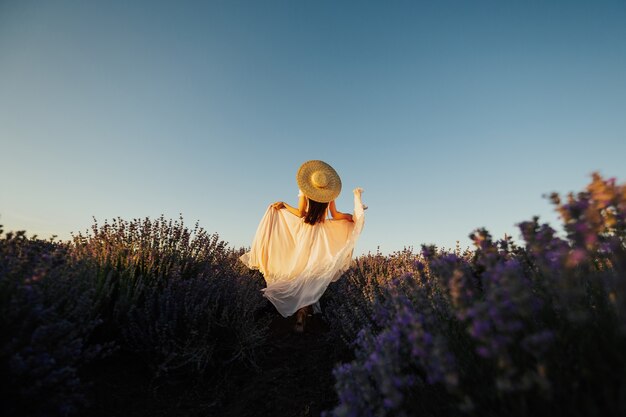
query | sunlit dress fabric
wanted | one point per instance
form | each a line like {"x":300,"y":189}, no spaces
{"x":299,"y":260}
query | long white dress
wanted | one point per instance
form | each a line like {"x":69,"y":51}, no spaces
{"x":299,"y":260}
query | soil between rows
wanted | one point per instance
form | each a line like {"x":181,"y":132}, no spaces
{"x":294,"y":379}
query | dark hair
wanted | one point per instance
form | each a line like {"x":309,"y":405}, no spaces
{"x":316,"y":212}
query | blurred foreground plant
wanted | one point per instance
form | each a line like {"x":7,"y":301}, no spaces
{"x":505,"y":330}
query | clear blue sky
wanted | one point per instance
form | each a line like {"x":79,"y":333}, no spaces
{"x":451,"y":115}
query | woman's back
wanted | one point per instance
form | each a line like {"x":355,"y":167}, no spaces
{"x":299,"y":260}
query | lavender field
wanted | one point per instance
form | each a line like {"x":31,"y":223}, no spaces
{"x":149,"y":317}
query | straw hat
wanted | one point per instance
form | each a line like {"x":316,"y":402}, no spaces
{"x":318,"y":181}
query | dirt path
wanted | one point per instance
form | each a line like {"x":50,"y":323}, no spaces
{"x":294,"y":380}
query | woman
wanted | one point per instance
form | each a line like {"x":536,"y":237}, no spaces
{"x":298,"y":250}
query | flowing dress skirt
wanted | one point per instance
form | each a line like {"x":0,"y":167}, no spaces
{"x":299,"y":260}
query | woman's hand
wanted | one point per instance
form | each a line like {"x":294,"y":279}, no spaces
{"x":357,"y":192}
{"x":278,"y":205}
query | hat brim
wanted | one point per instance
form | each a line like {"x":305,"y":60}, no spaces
{"x":305,"y":183}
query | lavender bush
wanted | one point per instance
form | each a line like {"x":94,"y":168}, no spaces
{"x":178,"y":298}
{"x":175,"y":296}
{"x":501,"y":330}
{"x":46,"y":319}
